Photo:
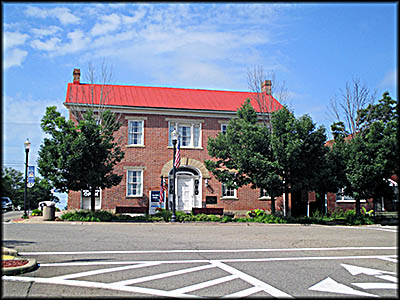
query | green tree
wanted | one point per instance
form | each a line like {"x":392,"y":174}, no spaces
{"x":12,"y":185}
{"x":243,"y":155}
{"x":299,"y":148}
{"x":82,"y":155}
{"x":371,"y":155}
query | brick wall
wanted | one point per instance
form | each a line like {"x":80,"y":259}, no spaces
{"x":155,"y":154}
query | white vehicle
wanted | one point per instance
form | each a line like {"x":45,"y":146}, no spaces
{"x":46,"y":203}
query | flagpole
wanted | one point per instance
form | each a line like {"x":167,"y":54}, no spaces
{"x":174,"y":136}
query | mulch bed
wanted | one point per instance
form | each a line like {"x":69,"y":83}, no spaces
{"x":11,"y":263}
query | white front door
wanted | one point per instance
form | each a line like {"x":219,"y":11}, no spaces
{"x":185,"y":193}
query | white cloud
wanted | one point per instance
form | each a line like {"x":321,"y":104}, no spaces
{"x":49,"y":45}
{"x":389,"y":80}
{"x":14,"y":57}
{"x":63,"y":14}
{"x":42,"y":32}
{"x":12,"y":39}
{"x":78,"y":41}
{"x":110,"y":23}
{"x":135,"y":18}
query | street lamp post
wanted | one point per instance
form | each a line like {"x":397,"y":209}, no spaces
{"x":27,"y":146}
{"x":174,"y":137}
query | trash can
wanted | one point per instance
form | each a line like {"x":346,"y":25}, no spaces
{"x":49,"y":213}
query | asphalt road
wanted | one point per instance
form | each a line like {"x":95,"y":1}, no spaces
{"x":203,"y":260}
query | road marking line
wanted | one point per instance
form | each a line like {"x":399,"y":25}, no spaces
{"x":206,"y":251}
{"x":252,"y":280}
{"x":382,"y":229}
{"x":387,"y":277}
{"x":91,"y":284}
{"x":162,"y":275}
{"x":204,"y":284}
{"x":244,"y":293}
{"x":388,"y":258}
{"x":222,"y":260}
{"x":376,"y":285}
{"x":355,"y":270}
{"x":103,"y":271}
{"x":329,"y":285}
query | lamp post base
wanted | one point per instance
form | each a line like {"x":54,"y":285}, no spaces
{"x":173,"y":219}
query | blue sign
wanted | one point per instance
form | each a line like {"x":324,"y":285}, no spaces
{"x":155,"y":202}
{"x":31,"y":176}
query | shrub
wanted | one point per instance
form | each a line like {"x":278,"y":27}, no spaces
{"x":37,"y":212}
{"x":256,"y":213}
{"x":88,"y":216}
{"x":164,"y":214}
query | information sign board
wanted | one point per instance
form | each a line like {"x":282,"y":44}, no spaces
{"x":154,"y":197}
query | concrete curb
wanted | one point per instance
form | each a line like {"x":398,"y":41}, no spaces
{"x":30,"y":266}
{"x":7,"y":251}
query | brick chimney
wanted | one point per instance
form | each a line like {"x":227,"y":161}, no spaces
{"x":266,"y":87}
{"x":77,"y":76}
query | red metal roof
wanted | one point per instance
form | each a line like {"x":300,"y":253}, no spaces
{"x":162,"y":97}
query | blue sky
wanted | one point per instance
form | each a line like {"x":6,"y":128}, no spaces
{"x":314,"y":48}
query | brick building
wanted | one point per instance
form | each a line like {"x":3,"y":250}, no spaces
{"x":148,"y":116}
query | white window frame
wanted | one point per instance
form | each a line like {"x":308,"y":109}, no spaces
{"x":187,"y":123}
{"x":140,"y":194}
{"x":222,"y":128}
{"x":228,"y":197}
{"x":263,"y":196}
{"x":343,"y":200}
{"x":141,"y":143}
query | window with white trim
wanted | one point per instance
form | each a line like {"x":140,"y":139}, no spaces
{"x":189,"y":134}
{"x":224,"y":127}
{"x":341,"y":197}
{"x":264,"y":194}
{"x":134,"y":184}
{"x":135,"y":132}
{"x":228,"y":192}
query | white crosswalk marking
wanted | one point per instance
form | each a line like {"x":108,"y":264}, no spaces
{"x":244,"y":293}
{"x":163,"y":275}
{"x":205,"y":284}
{"x":124,"y":269}
{"x":103,"y":271}
{"x":254,"y":281}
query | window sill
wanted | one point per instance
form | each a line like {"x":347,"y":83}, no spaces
{"x":135,"y":146}
{"x":135,"y":196}
{"x":188,"y":148}
{"x":229,"y":198}
{"x":264,"y":198}
{"x":349,"y":201}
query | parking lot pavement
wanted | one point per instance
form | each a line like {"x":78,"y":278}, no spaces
{"x":289,"y":272}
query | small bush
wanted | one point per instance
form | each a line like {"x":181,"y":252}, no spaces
{"x":256,"y":213}
{"x":88,"y":216}
{"x":164,"y":214}
{"x":37,"y":212}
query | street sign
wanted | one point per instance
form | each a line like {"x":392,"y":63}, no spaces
{"x":31,"y":176}
{"x":87,"y":193}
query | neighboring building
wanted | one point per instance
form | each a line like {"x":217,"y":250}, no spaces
{"x":148,"y":116}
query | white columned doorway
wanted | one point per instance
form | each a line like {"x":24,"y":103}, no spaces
{"x":188,"y":188}
{"x":185,"y":192}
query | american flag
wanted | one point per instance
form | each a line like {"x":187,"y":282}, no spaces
{"x":177,"y":162}
{"x":162,"y":189}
